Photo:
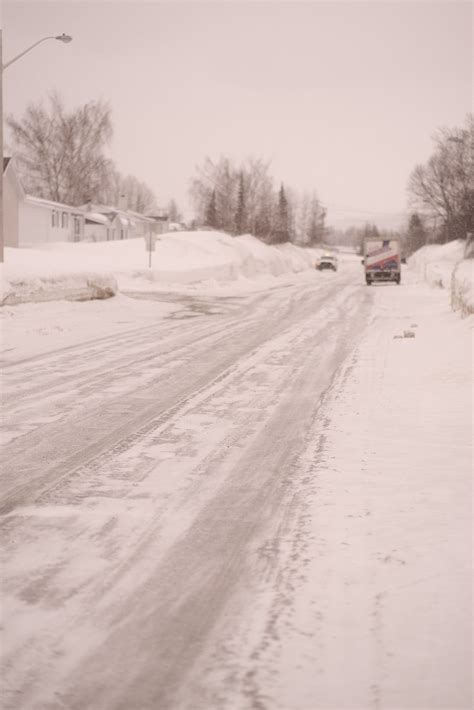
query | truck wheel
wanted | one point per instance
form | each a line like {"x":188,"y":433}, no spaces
{"x":368,"y":282}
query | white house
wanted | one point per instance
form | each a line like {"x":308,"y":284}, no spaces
{"x":96,"y":227}
{"x":13,"y":195}
{"x":160,"y":218}
{"x":31,"y":220}
{"x":118,"y":224}
{"x":42,"y":221}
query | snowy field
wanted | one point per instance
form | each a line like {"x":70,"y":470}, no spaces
{"x":247,"y":486}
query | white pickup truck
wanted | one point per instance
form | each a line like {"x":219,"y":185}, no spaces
{"x":382,"y":259}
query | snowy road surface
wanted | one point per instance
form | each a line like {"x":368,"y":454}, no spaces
{"x":257,"y":502}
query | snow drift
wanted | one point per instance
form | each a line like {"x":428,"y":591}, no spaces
{"x":443,"y":266}
{"x":462,"y":296}
{"x":78,"y":271}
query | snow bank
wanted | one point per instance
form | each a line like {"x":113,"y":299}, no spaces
{"x":462,"y":296}
{"x":443,"y":266}
{"x":92,"y":270}
{"x":33,"y":275}
{"x":435,"y":262}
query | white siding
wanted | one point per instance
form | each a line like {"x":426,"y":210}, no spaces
{"x":39,"y":224}
{"x":34,"y":224}
{"x":10,"y":211}
{"x":95,"y":232}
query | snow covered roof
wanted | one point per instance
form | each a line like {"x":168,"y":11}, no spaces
{"x":139,"y":217}
{"x":125,"y":216}
{"x":96,"y":217}
{"x":40,"y":202}
{"x":160,"y":213}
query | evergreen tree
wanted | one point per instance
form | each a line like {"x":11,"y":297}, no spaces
{"x":240,"y":214}
{"x":416,"y":234}
{"x":211,"y":212}
{"x":282,"y":231}
{"x":174,"y":214}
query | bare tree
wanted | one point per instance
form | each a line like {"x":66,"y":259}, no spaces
{"x":442,"y":188}
{"x":241,"y":198}
{"x":60,"y":153}
{"x":222,"y":178}
{"x":129,"y":193}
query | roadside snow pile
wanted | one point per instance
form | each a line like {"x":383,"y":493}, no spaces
{"x":36,"y":275}
{"x":435,"y":262}
{"x":462,"y":292}
{"x":92,"y":270}
{"x":190,"y":257}
{"x":443,"y":266}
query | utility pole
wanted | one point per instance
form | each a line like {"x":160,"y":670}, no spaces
{"x":1,"y":146}
{"x":62,"y":38}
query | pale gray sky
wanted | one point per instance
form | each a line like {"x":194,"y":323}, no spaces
{"x":343,"y":97}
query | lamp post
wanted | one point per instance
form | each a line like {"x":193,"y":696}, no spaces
{"x":62,"y":38}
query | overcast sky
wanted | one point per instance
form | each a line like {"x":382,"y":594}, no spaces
{"x":343,"y":97}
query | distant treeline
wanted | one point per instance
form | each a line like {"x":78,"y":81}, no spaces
{"x":241,"y":199}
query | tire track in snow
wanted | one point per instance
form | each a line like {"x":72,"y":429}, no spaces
{"x":43,"y":457}
{"x":150,"y":647}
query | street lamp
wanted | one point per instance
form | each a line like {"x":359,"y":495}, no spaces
{"x":62,"y":38}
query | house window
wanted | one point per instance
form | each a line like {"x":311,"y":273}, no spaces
{"x":122,"y":233}
{"x":64,"y":220}
{"x":53,"y":219}
{"x":77,"y":229}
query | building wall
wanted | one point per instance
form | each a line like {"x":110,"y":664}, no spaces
{"x":95,"y":232}
{"x":36,"y":225}
{"x":33,"y":224}
{"x":10,"y":212}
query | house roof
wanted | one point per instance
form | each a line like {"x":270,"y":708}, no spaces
{"x":123,"y":216}
{"x":40,"y":202}
{"x":96,"y":217}
{"x":9,"y":164}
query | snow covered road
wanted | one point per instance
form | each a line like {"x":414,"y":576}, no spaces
{"x":196,"y":513}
